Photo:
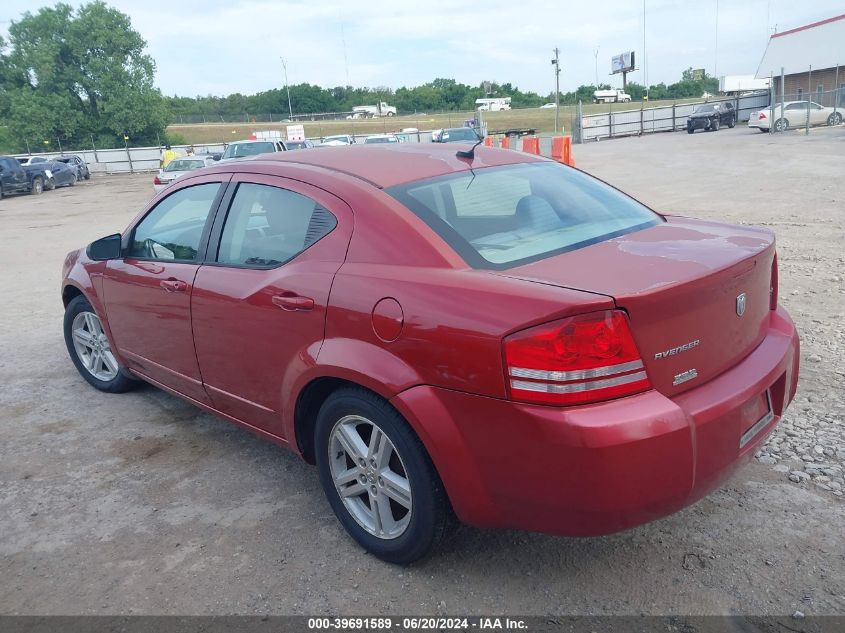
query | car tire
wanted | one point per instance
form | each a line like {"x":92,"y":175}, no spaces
{"x":73,"y":180}
{"x":834,"y":119}
{"x":37,"y":186}
{"x":690,"y":130}
{"x":763,"y":129}
{"x":731,"y":122}
{"x":87,"y":175}
{"x":781,"y":125}
{"x":352,"y":421}
{"x":714,"y":125}
{"x":90,"y":349}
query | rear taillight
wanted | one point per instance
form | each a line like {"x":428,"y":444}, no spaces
{"x":581,"y":359}
{"x":773,"y":285}
{"x":760,"y":115}
{"x":156,"y":181}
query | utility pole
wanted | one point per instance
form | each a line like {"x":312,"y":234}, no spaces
{"x":285,"y":66}
{"x":556,"y":64}
{"x":596,"y":55}
{"x":716,"y":53}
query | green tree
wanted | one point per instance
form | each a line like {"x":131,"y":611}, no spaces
{"x":70,"y":74}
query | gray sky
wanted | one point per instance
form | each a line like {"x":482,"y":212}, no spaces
{"x":220,"y":47}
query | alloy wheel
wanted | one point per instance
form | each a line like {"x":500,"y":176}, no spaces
{"x":370,"y":477}
{"x":92,"y":347}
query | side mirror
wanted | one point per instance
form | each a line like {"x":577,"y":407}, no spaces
{"x":216,"y":156}
{"x":105,"y":248}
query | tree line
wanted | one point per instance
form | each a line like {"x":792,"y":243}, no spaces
{"x":73,"y":78}
{"x":439,"y":95}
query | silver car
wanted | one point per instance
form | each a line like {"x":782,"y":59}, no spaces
{"x":179,"y":167}
{"x":794,"y":114}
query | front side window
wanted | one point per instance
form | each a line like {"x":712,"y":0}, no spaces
{"x":499,"y":217}
{"x":173,"y":229}
{"x":267,"y":226}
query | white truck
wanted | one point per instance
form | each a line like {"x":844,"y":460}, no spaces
{"x":493,"y":105}
{"x":731,"y":84}
{"x":380,"y":109}
{"x":611,"y":96}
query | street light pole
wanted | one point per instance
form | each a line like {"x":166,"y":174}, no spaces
{"x":285,"y":66}
{"x":556,"y":64}
{"x":596,"y":55}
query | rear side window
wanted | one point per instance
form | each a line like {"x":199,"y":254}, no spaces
{"x":500,"y":217}
{"x":267,"y":226}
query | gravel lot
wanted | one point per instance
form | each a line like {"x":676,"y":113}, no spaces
{"x":141,"y":503}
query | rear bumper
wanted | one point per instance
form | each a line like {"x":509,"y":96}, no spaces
{"x":601,"y":468}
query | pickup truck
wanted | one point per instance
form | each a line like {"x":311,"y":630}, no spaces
{"x":14,"y":178}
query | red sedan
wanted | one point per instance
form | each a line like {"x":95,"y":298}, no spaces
{"x":495,"y":336}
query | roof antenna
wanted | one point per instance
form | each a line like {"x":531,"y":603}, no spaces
{"x":469,"y":153}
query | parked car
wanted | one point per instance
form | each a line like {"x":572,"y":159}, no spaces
{"x":243,"y":149}
{"x":338,"y":139}
{"x":291,"y":145}
{"x":456,"y":135}
{"x":794,"y":114}
{"x":381,"y":138}
{"x":178,"y":167}
{"x":502,"y":336}
{"x":16,"y":178}
{"x":709,"y":116}
{"x":26,"y":161}
{"x":78,"y":162}
{"x":546,"y":106}
{"x":61,"y":174}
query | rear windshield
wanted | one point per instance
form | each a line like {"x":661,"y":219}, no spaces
{"x":501,"y":217}
{"x":248,"y":149}
{"x":184,"y":165}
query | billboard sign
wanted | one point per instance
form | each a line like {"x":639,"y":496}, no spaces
{"x":296,"y":132}
{"x":697,"y":74}
{"x":622,"y":63}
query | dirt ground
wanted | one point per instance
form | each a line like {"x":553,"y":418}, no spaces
{"x":142,"y":504}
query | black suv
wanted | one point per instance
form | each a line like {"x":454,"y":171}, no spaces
{"x":709,"y":116}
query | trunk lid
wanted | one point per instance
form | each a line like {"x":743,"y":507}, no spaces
{"x":681,"y":284}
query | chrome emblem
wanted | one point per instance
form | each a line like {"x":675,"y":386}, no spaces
{"x":740,"y":304}
{"x":684,"y":377}
{"x":677,"y":350}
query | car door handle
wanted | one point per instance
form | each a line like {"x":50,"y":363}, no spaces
{"x":292,"y":302}
{"x":173,"y":285}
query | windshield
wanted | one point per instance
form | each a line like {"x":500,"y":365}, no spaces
{"x":238,"y":150}
{"x":342,"y":139}
{"x":707,"y":108}
{"x":459,"y":134}
{"x":381,"y":139}
{"x":184,"y":165}
{"x":500,"y":217}
{"x":295,"y":145}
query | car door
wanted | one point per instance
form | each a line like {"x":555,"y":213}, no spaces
{"x":259,"y":302}
{"x":147,"y":292}
{"x":818,"y":114}
{"x":10,"y":175}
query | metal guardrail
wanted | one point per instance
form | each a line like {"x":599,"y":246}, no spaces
{"x":659,"y":119}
